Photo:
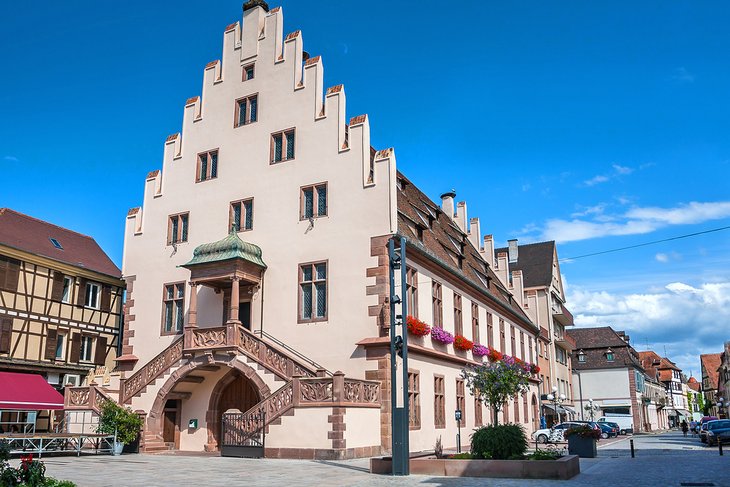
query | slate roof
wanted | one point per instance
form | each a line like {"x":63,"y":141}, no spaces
{"x":434,"y":233}
{"x":23,"y":232}
{"x":535,"y":260}
{"x":711,"y":362}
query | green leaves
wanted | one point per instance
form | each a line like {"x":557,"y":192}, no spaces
{"x":123,"y":422}
{"x":496,"y":382}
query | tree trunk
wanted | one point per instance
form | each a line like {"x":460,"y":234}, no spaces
{"x":495,"y":409}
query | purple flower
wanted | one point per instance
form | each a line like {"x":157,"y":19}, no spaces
{"x":442,"y":336}
{"x":479,"y":350}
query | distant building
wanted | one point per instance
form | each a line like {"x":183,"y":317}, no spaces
{"x":655,"y":402}
{"x":535,"y":270}
{"x":710,"y":364}
{"x":60,"y":301}
{"x":723,"y":378}
{"x":607,"y":369}
{"x":671,"y":376}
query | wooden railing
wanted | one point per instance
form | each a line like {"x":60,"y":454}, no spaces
{"x":151,"y":371}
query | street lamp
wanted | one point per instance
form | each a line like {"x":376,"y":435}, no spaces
{"x":721,"y":403}
{"x":556,"y":399}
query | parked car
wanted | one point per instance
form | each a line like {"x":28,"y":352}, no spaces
{"x":554,"y":434}
{"x":624,"y":421}
{"x":703,"y":431}
{"x":718,"y":432}
{"x":608,"y":430}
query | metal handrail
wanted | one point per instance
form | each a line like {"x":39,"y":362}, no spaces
{"x":286,"y":347}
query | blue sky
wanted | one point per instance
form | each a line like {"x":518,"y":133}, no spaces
{"x":599,"y":124}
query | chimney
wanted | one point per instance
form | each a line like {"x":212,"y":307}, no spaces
{"x":513,"y":251}
{"x":447,"y":203}
{"x":461,"y":216}
{"x":255,"y":3}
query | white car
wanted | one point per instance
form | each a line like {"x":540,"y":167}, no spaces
{"x":554,"y":434}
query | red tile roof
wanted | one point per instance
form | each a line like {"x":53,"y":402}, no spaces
{"x":231,"y":26}
{"x":710,"y":363}
{"x":334,"y":89}
{"x":192,"y":100}
{"x":312,"y":60}
{"x":358,"y":119}
{"x":31,"y":235}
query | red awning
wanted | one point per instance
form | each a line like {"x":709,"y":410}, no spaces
{"x":27,"y":392}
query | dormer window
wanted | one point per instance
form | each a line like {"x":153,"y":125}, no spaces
{"x":581,"y":356}
{"x":56,"y":243}
{"x":609,"y":355}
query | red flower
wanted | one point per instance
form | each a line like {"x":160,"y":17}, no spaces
{"x":417,"y":327}
{"x":495,"y":355}
{"x":536,"y":370}
{"x":461,"y":343}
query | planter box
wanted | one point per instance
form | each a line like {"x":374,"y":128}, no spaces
{"x":562,"y":469}
{"x":583,"y":447}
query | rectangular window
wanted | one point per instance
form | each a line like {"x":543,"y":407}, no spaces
{"x":92,"y":295}
{"x":248,"y":72}
{"x":512,"y":334}
{"x":247,"y":110}
{"x":439,"y":402}
{"x":478,"y":420}
{"x":490,"y":330}
{"x":412,"y":291}
{"x":87,"y":344}
{"x":414,"y":400}
{"x":68,"y":283}
{"x":502,"y":337}
{"x":522,"y":346}
{"x":207,"y":166}
{"x":177,"y":228}
{"x":174,"y":308}
{"x":60,"y":340}
{"x":282,"y":145}
{"x":458,"y":322}
{"x":313,"y":201}
{"x":460,"y":404}
{"x":313,"y":292}
{"x":241,"y":215}
{"x":437,"y":305}
{"x":532,"y":358}
{"x":475,"y":322}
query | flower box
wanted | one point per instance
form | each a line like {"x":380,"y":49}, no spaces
{"x":479,"y":350}
{"x":442,"y":336}
{"x":417,"y":327}
{"x":461,"y":343}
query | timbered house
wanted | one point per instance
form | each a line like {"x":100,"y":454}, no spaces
{"x":60,"y":301}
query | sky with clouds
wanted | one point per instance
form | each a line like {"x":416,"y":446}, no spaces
{"x":599,"y":125}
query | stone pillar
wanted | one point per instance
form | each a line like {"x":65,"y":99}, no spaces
{"x":233,"y":318}
{"x":193,"y":309}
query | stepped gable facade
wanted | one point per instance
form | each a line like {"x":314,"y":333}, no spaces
{"x":257,"y":271}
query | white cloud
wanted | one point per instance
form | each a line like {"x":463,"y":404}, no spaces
{"x":682,"y":76}
{"x":596,"y":180}
{"x":10,"y":158}
{"x":618,"y":170}
{"x":662,"y":257}
{"x":622,"y":170}
{"x":635,"y":221}
{"x":688,"y":320}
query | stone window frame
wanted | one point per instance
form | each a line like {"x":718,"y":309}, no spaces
{"x":245,"y":71}
{"x":316,"y":189}
{"x":414,"y":399}
{"x":183,"y":228}
{"x":178,"y":302}
{"x":439,"y":401}
{"x":237,"y":121}
{"x":313,"y":282}
{"x":490,"y":329}
{"x":211,"y":170}
{"x":245,"y":213}
{"x":437,"y":304}
{"x":284,"y":134}
{"x":412,"y":291}
{"x":458,"y":315}
{"x":461,"y":399}
{"x":475,"y":322}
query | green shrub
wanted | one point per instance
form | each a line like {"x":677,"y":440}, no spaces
{"x":114,"y":419}
{"x":544,"y":455}
{"x":461,"y":456}
{"x":500,"y":442}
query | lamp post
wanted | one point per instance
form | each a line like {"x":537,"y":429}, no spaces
{"x":591,"y":407}
{"x":556,"y":399}
{"x":721,"y":404}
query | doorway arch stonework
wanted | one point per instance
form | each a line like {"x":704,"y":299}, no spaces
{"x":216,"y":408}
{"x":154,"y":423}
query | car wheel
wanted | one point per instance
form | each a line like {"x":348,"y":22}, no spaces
{"x":604,"y":435}
{"x":542,"y":439}
{"x":622,"y":432}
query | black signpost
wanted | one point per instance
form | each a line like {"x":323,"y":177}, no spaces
{"x":457,"y":416}
{"x":398,"y":349}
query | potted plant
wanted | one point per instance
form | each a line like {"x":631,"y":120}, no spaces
{"x":479,"y":350}
{"x":462,"y":343}
{"x":417,"y":327}
{"x":442,"y":336}
{"x":582,"y":441}
{"x":121,"y":422}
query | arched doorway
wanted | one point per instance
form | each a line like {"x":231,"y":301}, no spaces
{"x":234,"y":391}
{"x":535,"y":414}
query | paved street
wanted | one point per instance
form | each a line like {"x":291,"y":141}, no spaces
{"x":668,"y":459}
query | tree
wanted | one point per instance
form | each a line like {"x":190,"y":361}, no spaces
{"x":498,"y":381}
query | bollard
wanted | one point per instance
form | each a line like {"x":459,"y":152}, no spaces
{"x":631,"y":441}
{"x":719,"y":445}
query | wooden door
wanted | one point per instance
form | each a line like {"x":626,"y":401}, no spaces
{"x":239,"y":394}
{"x":168,"y":430}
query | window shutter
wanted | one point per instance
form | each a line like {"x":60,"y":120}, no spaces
{"x":57,"y":291}
{"x":81,"y":296}
{"x":51,"y":339}
{"x":12,"y":275}
{"x":106,"y":298}
{"x":6,"y":333}
{"x":75,"y":347}
{"x":100,"y":354}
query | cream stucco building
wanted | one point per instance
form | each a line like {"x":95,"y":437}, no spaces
{"x":257,"y":267}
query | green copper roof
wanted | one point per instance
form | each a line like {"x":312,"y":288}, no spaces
{"x":229,"y":248}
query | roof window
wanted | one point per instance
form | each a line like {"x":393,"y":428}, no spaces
{"x":56,"y":243}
